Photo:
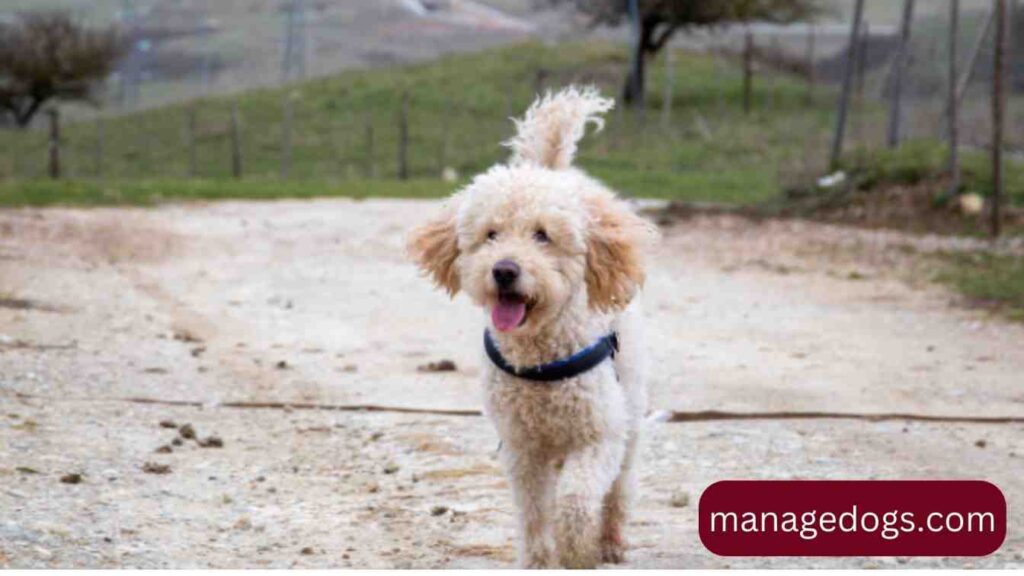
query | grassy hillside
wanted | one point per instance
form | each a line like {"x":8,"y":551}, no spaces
{"x":708,"y":150}
{"x":459,"y":109}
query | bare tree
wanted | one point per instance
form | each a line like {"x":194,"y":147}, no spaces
{"x":658,"y":20}
{"x":50,"y":55}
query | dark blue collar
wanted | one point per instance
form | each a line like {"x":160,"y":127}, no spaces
{"x":560,"y":369}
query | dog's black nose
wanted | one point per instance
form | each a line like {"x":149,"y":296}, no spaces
{"x":505,"y":273}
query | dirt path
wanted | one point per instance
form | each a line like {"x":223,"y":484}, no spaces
{"x":313,"y":303}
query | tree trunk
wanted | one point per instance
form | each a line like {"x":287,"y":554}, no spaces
{"x":633,"y":89}
{"x":54,"y":143}
{"x":643,"y":33}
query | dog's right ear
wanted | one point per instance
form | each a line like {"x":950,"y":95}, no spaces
{"x":434,"y":247}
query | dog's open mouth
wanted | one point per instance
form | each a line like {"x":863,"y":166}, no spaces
{"x":510,"y":311}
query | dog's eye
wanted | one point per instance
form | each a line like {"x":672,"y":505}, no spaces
{"x":492,"y":235}
{"x":541,"y":236}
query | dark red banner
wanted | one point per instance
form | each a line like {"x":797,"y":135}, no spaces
{"x":852,"y":518}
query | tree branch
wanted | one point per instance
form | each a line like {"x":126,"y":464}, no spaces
{"x":667,"y":33}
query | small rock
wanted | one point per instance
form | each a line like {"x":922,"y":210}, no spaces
{"x":680,"y":499}
{"x":376,"y":436}
{"x":177,"y":442}
{"x":439,"y":366}
{"x":168,"y":424}
{"x":154,"y":468}
{"x":307,"y":551}
{"x":211,"y":442}
{"x":970,"y":204}
{"x":165,"y":449}
{"x":196,"y":352}
{"x":981,"y":443}
{"x":185,"y":336}
{"x":73,"y":478}
{"x":281,"y":365}
{"x":350,"y":368}
{"x":187,"y":432}
{"x":391,"y":468}
{"x":438,"y":510}
{"x":27,"y":470}
{"x":373,"y":488}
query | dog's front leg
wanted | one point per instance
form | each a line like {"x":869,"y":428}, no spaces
{"x":587,"y":475}
{"x":533,"y":487}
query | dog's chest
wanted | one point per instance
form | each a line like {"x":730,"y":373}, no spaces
{"x":555,"y":415}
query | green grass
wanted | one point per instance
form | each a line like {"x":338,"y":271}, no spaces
{"x":921,"y":161}
{"x":993,"y":281}
{"x":459,"y":111}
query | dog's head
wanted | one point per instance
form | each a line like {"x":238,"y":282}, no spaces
{"x":533,"y":238}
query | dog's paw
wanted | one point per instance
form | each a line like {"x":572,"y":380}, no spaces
{"x":613,"y":551}
{"x":613,"y":545}
{"x":538,"y":563}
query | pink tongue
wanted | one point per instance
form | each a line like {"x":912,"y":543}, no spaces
{"x":506,"y":315}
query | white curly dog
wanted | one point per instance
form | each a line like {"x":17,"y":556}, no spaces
{"x":556,"y":260}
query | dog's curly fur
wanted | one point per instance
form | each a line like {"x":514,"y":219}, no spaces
{"x":568,"y":447}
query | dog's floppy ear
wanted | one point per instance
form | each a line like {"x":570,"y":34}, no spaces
{"x":616,"y":239}
{"x":434,"y":247}
{"x":548,"y":133}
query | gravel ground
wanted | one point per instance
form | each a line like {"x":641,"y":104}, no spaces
{"x":312,"y":303}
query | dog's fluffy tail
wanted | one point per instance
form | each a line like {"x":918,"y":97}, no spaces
{"x":548,"y":133}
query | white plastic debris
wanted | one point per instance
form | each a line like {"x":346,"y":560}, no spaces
{"x":833,"y":179}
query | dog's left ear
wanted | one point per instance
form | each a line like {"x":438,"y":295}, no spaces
{"x":616,"y":239}
{"x":434,"y":247}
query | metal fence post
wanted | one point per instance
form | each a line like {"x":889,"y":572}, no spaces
{"x":236,"y":142}
{"x":844,"y":94}
{"x":403,"y":138}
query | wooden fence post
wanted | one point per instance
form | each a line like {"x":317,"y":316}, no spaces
{"x":748,"y":69}
{"x":15,"y":156}
{"x":442,"y":155}
{"x":190,"y":137}
{"x":338,"y":151}
{"x":403,"y":137}
{"x":371,"y":168}
{"x":998,"y":104}
{"x":236,"y":142}
{"x":844,"y":94}
{"x":54,"y":167}
{"x":98,"y":149}
{"x":670,"y":76}
{"x":896,"y":92}
{"x":812,"y":72}
{"x":286,"y":135}
{"x":952,"y":110}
